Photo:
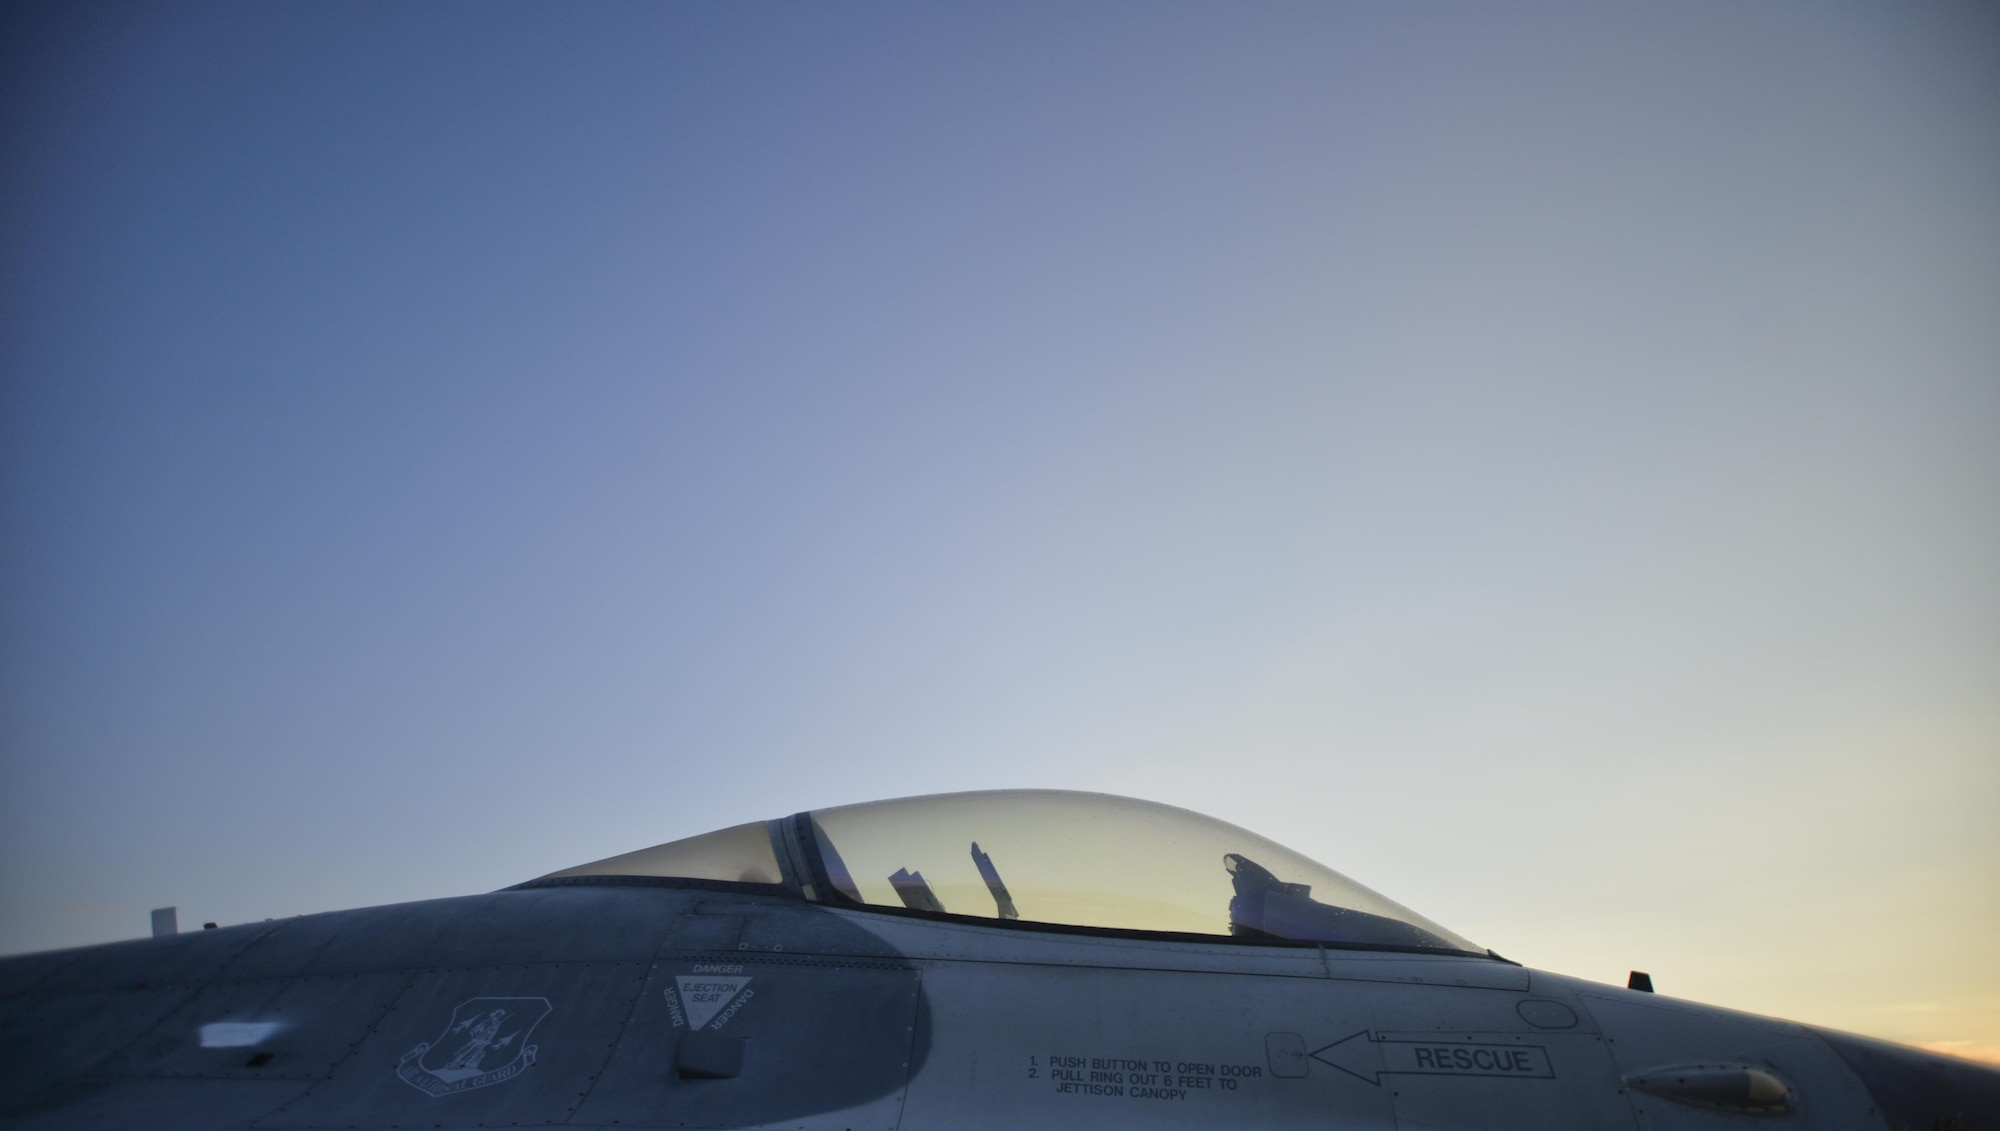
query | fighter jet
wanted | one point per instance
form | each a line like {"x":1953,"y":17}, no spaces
{"x":1015,"y":959}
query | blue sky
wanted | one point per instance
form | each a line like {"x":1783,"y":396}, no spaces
{"x":1542,"y":461}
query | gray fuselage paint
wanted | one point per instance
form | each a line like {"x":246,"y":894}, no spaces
{"x":569,"y":1002}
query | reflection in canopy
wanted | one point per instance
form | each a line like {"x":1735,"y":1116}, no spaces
{"x":1100,"y":861}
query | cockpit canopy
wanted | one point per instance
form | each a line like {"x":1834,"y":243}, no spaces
{"x":1046,"y":857}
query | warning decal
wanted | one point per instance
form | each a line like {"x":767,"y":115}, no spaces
{"x":705,"y":995}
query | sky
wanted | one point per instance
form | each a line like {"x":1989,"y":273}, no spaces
{"x":1541,"y":460}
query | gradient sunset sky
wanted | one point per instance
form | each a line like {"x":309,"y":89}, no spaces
{"x":1542,"y":460}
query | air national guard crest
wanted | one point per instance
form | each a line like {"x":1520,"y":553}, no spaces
{"x":485,"y":1042}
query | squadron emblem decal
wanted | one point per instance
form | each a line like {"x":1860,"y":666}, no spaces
{"x":485,"y":1042}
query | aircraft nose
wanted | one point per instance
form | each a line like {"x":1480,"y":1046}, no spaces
{"x":1914,"y":1088}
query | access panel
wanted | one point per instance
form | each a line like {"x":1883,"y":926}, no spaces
{"x":745,"y":1038}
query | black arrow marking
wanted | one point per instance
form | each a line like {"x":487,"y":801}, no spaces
{"x":1370,"y":1057}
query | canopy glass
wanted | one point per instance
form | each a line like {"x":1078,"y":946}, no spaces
{"x":1047,"y":856}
